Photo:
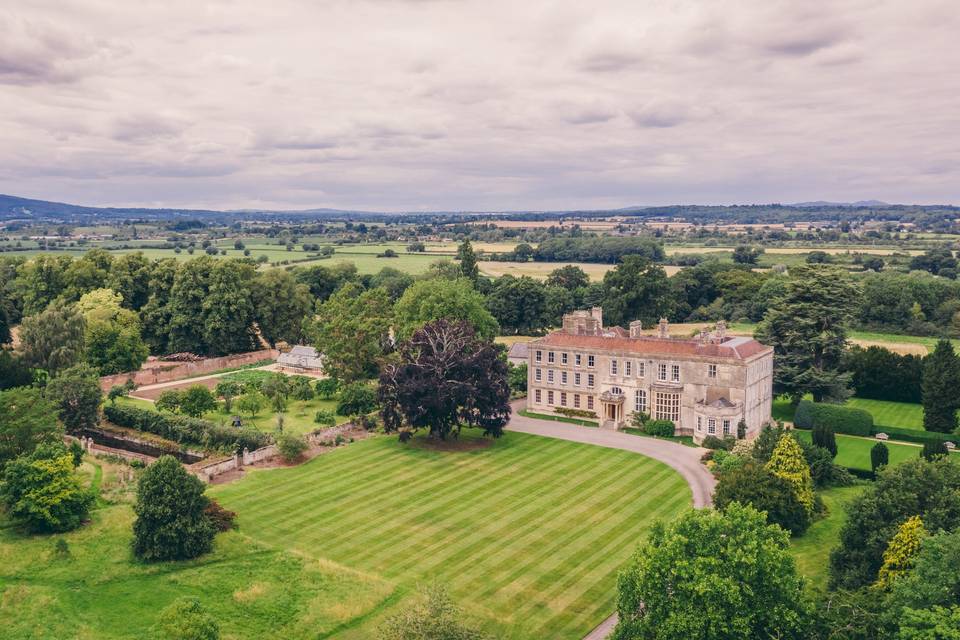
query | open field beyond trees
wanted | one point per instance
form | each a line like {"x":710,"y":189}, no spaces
{"x":530,"y":551}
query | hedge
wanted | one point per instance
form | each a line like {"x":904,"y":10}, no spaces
{"x":186,"y":430}
{"x":914,"y":435}
{"x":841,"y":419}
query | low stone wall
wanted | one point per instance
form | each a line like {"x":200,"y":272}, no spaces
{"x":158,"y":371}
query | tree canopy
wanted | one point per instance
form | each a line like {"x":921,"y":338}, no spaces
{"x":439,"y":298}
{"x":446,"y":376}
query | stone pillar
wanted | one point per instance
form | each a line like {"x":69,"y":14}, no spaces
{"x":246,"y":456}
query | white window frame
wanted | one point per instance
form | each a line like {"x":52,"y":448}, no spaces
{"x":614,"y":367}
{"x":711,"y":426}
{"x":641,"y":369}
{"x":563,"y":357}
{"x":563,"y":398}
{"x":591,"y":361}
{"x":563,"y":377}
{"x":538,"y":356}
{"x":674,"y":373}
{"x":551,"y":357}
{"x":712,"y":371}
{"x":550,"y":376}
{"x":640,"y":400}
{"x":576,"y":379}
{"x":576,"y":401}
{"x":590,"y":403}
{"x":550,"y":397}
{"x":726,"y":426}
{"x":591,"y":380}
{"x":628,"y":368}
{"x":577,"y":359}
{"x":662,"y":372}
{"x":537,"y":396}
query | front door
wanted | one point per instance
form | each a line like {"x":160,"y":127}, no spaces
{"x":611,"y":411}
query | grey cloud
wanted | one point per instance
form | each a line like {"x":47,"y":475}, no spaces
{"x":145,"y":126}
{"x":611,"y":60}
{"x":35,"y":52}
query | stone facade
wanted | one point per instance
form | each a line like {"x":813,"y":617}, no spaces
{"x":704,"y":385}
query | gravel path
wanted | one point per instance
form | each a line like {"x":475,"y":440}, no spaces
{"x":685,"y":460}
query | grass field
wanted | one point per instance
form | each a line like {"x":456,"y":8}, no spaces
{"x":98,"y":591}
{"x":812,"y":550}
{"x":528,"y":533}
{"x":854,"y":452}
{"x":885,"y":413}
{"x":891,"y":414}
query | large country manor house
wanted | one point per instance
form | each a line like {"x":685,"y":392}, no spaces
{"x":705,"y":385}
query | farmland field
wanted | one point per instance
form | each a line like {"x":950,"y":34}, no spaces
{"x":528,"y":533}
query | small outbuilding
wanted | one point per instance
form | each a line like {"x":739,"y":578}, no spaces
{"x":518,"y":354}
{"x":301,"y":358}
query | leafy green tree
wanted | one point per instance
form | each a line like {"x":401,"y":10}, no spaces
{"x":5,"y":335}
{"x":291,"y":446}
{"x":324,"y":281}
{"x":807,"y":328}
{"x":930,"y":490}
{"x":251,"y":403}
{"x":517,"y":378}
{"x":352,"y":331}
{"x":900,"y":554}
{"x":751,"y":484}
{"x":432,"y":616}
{"x":112,"y":341}
{"x":356,"y":398}
{"x":327,"y":388}
{"x":228,"y":390}
{"x":14,"y":372}
{"x":468,"y":261}
{"x":636,"y":289}
{"x":41,"y":491}
{"x":393,"y":281}
{"x":77,"y":395}
{"x":170,"y":524}
{"x":517,"y":304}
{"x":27,"y":420}
{"x":185,"y":619}
{"x":570,"y":277}
{"x":879,"y":456}
{"x":941,"y":380}
{"x":439,"y":298}
{"x":445,"y":377}
{"x":933,"y":450}
{"x":197,"y":400}
{"x":712,"y":575}
{"x":281,"y":305}
{"x":85,"y":274}
{"x":53,"y":339}
{"x":932,"y":581}
{"x":130,"y":276}
{"x":788,"y":462}
{"x":169,"y":400}
{"x":300,"y":388}
{"x":39,"y":282}
{"x":277,"y":389}
{"x":228,"y":312}
{"x":523,"y":252}
{"x":747,"y":255}
{"x":935,"y":623}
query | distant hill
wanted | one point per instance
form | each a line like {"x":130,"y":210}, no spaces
{"x":858,"y":203}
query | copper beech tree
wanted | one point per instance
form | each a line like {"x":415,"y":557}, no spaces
{"x":445,"y":377}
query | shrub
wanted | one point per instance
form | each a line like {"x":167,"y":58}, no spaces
{"x":576,"y":413}
{"x":823,"y":436}
{"x":185,"y":619}
{"x":663,"y":428}
{"x":42,"y":492}
{"x":751,"y":484}
{"x":326,"y":388}
{"x":879,"y":456}
{"x":291,"y":447}
{"x":713,"y":442}
{"x":934,"y":450}
{"x":221,"y":519}
{"x":187,"y":430}
{"x":300,"y":388}
{"x":840,"y":419}
{"x":171,"y":523}
{"x":356,"y":399}
{"x":325,"y":418}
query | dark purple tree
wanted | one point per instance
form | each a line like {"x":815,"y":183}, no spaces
{"x":446,"y":377}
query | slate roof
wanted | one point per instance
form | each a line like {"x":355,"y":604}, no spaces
{"x":519,"y":350}
{"x":735,"y":348}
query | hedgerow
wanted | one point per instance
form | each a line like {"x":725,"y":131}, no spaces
{"x":186,"y":430}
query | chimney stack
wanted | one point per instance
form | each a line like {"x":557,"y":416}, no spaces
{"x":636,"y":327}
{"x":597,"y":314}
{"x":721,"y":330}
{"x":663,"y":329}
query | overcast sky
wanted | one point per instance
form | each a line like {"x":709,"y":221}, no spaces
{"x":450,"y":105}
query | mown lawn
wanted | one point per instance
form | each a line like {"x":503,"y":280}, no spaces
{"x":812,"y":549}
{"x":528,"y":533}
{"x":97,"y":590}
{"x":891,"y":414}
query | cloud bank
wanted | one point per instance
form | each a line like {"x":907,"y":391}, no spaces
{"x":478,"y":105}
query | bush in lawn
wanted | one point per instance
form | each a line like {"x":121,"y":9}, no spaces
{"x":291,"y":447}
{"x":933,"y":450}
{"x":753,"y":485}
{"x":171,"y":523}
{"x":169,"y":400}
{"x":662,"y":428}
{"x":251,"y":403}
{"x":433,"y":615}
{"x":326,"y":388}
{"x":221,"y":519}
{"x":823,"y":436}
{"x":42,"y":492}
{"x":841,"y":419}
{"x":325,"y":418}
{"x":879,"y":456}
{"x":356,"y":398}
{"x":185,"y":619}
{"x":197,"y":400}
